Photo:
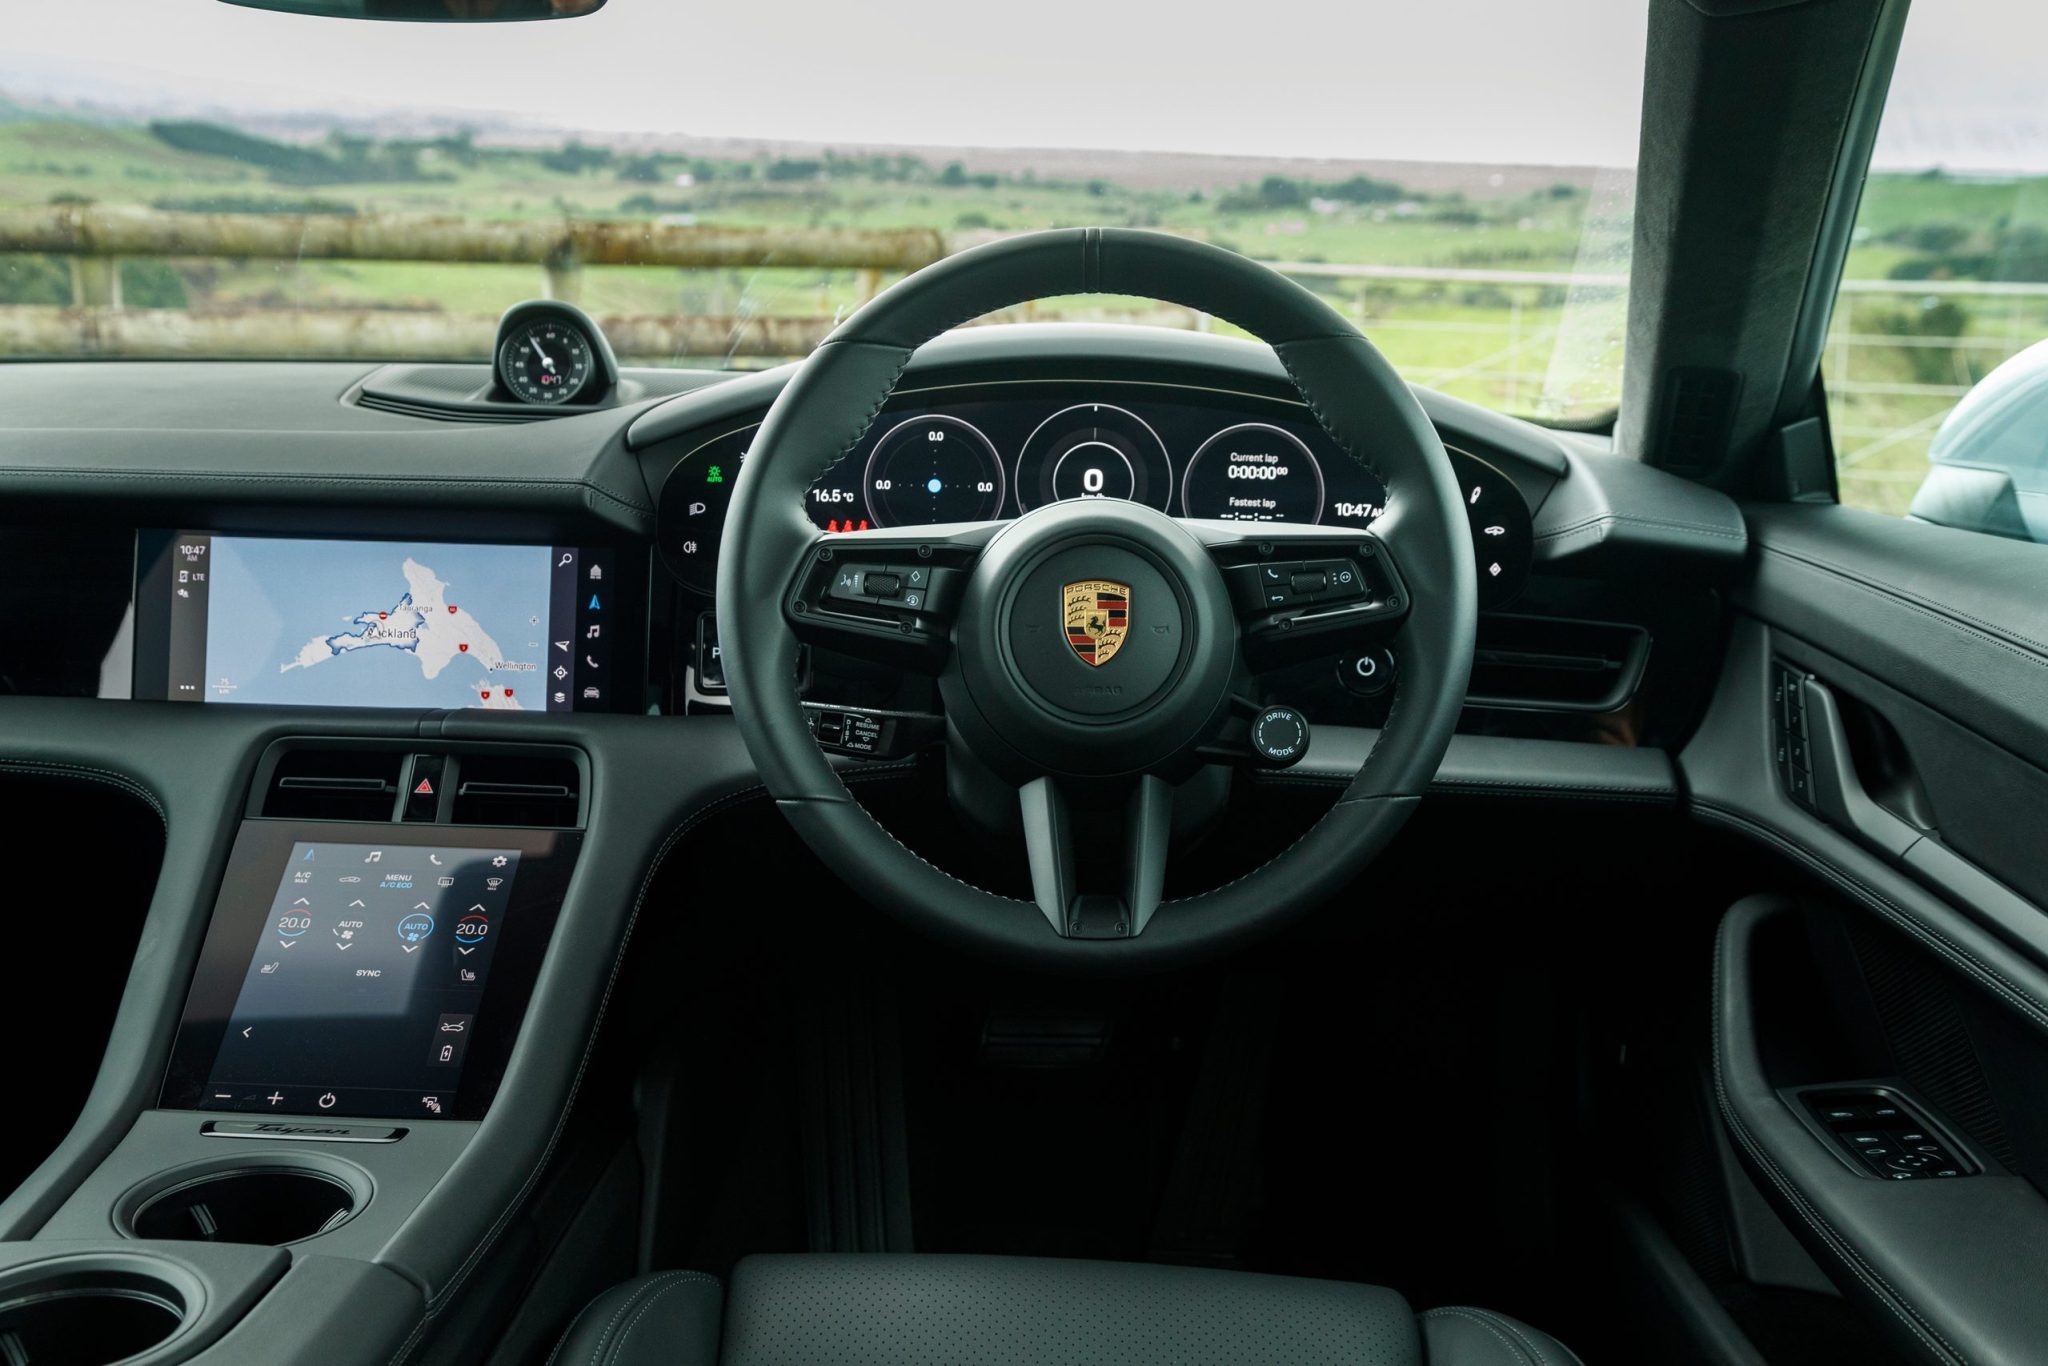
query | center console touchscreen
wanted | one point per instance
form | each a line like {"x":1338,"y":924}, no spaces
{"x":420,"y":624}
{"x":378,"y":971}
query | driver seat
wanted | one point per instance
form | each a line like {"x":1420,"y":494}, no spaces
{"x":884,"y":1309}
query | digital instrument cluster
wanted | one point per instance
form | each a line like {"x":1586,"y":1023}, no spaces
{"x":988,"y":452}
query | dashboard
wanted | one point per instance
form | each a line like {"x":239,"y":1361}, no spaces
{"x":979,"y":452}
{"x":583,"y":537}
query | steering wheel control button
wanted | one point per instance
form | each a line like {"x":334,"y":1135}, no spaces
{"x":847,"y":732}
{"x":1339,"y":579}
{"x":849,"y":584}
{"x":880,"y":583}
{"x":1308,"y":583}
{"x":1367,"y":674}
{"x":1279,"y":736}
{"x":1277,"y":587}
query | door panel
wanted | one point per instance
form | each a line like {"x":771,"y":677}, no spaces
{"x":1883,"y":722}
{"x":1806,"y":1016}
{"x":1956,"y":620}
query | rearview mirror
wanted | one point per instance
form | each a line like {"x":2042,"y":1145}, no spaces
{"x":432,"y":11}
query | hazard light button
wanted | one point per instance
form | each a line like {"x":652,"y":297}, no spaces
{"x":423,"y":787}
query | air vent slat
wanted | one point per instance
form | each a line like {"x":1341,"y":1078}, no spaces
{"x":536,"y":789}
{"x":1528,"y":663}
{"x":517,"y":790}
{"x":334,"y":785}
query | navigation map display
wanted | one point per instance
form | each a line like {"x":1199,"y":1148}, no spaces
{"x":414,"y":624}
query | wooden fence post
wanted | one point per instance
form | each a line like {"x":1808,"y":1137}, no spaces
{"x":565,"y":276}
{"x":95,"y":282}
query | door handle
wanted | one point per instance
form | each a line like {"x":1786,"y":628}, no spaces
{"x":1838,"y":793}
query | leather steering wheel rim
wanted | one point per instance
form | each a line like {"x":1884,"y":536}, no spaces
{"x":1357,"y":397}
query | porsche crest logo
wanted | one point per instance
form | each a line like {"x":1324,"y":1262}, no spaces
{"x":1098,"y":616}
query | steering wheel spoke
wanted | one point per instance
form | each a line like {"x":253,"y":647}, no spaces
{"x":886,"y":596}
{"x":1055,"y":829}
{"x":1305,"y":591}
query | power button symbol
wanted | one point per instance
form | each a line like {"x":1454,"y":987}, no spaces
{"x":326,"y":1101}
{"x":1367,"y":674}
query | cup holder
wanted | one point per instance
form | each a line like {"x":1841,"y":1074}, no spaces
{"x":87,"y":1316}
{"x":269,"y":1204}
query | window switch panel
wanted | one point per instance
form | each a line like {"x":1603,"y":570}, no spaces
{"x":1882,"y":1135}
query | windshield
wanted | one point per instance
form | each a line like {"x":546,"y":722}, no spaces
{"x":717,"y":184}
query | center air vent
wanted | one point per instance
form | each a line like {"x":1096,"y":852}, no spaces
{"x":517,"y":789}
{"x":537,"y":786}
{"x":334,"y":785}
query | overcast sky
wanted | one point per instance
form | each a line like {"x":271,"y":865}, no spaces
{"x":1455,"y":80}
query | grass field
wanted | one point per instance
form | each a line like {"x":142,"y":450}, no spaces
{"x":1895,"y":361}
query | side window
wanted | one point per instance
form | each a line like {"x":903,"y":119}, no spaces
{"x":1937,"y":358}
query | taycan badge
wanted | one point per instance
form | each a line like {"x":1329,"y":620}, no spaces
{"x":1098,"y":615}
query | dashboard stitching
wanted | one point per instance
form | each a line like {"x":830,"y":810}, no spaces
{"x":489,"y":1240}
{"x":1992,"y":634}
{"x":1609,"y":518}
{"x":103,"y":776}
{"x":337,"y":480}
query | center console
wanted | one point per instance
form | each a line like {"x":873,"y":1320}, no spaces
{"x":379,"y":930}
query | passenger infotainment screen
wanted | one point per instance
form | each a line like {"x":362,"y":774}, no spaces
{"x":354,"y":971}
{"x":415,"y":624}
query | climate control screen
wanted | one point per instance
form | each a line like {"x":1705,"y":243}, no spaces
{"x":367,"y":985}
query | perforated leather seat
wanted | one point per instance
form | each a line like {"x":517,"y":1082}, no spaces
{"x":886,"y":1310}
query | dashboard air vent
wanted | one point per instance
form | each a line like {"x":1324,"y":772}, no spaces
{"x":1556,"y":664}
{"x":518,"y":789}
{"x":334,"y":785}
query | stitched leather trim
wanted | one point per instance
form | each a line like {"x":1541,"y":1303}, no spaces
{"x":650,"y":1291}
{"x":1607,"y":519}
{"x":105,"y":777}
{"x":2025,"y":647}
{"x":1985,"y":975}
{"x":1845,"y":1252}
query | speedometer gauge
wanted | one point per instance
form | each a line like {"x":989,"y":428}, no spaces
{"x":1253,"y":472}
{"x":933,"y":469}
{"x":1093,"y":450}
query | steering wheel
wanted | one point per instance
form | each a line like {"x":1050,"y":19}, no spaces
{"x":1094,"y":655}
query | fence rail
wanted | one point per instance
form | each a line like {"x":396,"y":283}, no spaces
{"x":561,"y":247}
{"x":1507,"y":354}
